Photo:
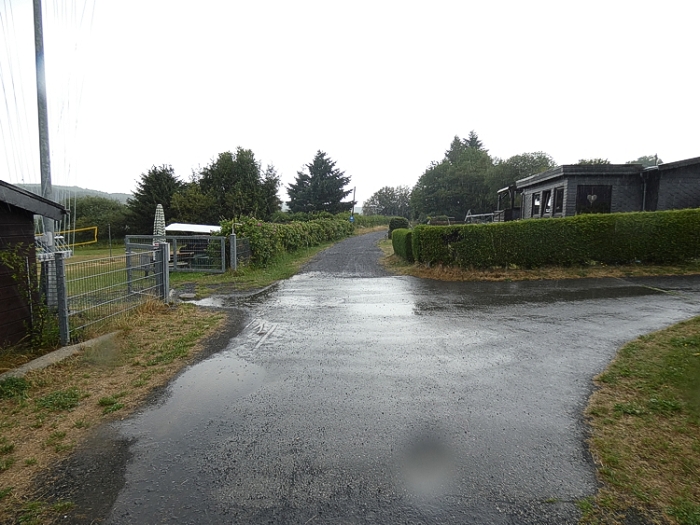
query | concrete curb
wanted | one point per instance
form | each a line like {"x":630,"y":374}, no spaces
{"x":56,"y":356}
{"x":235,"y":295}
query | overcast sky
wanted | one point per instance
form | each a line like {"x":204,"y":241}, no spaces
{"x":381,"y":86}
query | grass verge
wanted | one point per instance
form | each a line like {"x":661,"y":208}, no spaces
{"x":645,"y":421}
{"x":247,"y":277}
{"x":46,"y":414}
{"x":448,"y":273}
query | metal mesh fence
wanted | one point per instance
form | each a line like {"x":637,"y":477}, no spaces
{"x":243,"y":253}
{"x":101,"y":289}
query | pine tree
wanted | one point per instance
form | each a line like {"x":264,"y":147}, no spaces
{"x":156,"y":187}
{"x":320,"y":188}
{"x":473,"y":141}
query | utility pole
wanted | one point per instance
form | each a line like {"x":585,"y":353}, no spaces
{"x":352,"y":213}
{"x":42,"y":106}
{"x":48,"y":265}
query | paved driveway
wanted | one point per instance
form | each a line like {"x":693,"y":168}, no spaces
{"x":357,"y":397}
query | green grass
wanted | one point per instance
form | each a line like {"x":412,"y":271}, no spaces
{"x":60,"y":400}
{"x":37,"y":512}
{"x":111,"y":403}
{"x":14,"y":387}
{"x":646,"y":428}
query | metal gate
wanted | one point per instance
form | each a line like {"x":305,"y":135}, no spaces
{"x":188,"y":253}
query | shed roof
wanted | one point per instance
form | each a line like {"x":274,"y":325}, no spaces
{"x":31,"y":202}
{"x":192,"y":228}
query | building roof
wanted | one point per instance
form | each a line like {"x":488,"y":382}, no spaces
{"x":192,"y":228}
{"x":679,"y":164}
{"x":31,"y":202}
{"x":572,"y":170}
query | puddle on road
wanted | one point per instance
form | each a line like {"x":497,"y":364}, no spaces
{"x":438,"y":296}
{"x":202,"y":393}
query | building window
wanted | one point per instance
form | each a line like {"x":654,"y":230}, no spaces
{"x":536,"y":204}
{"x":593,"y":198}
{"x":558,"y":200}
{"x":547,"y":202}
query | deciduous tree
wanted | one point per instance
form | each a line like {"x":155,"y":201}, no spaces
{"x":457,"y":184}
{"x":593,"y":161}
{"x":233,"y":183}
{"x":108,"y":215}
{"x":647,"y":160}
{"x":506,"y":172}
{"x":389,"y":201}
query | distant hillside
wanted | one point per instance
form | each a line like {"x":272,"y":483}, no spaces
{"x":75,"y":191}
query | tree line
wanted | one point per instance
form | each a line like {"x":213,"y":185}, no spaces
{"x":231,"y":186}
{"x":466,"y":180}
{"x":235,"y":185}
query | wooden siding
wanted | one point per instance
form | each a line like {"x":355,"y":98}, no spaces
{"x":16,"y":232}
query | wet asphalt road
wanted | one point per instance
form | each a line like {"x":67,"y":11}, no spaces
{"x":353,"y":396}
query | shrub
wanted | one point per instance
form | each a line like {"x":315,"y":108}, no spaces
{"x":268,"y":240}
{"x":401,"y":241}
{"x":652,"y":237}
{"x":397,"y":222}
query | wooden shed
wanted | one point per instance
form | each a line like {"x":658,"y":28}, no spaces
{"x":17,"y":210}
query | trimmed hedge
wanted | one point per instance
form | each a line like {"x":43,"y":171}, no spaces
{"x":267,"y":240}
{"x":397,"y":222}
{"x":401,"y":240}
{"x":651,"y":237}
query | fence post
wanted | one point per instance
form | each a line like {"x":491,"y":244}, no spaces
{"x":162,"y":274}
{"x":222,"y":240}
{"x":128,"y":265}
{"x":234,"y":252}
{"x":175,"y":248}
{"x":62,"y":298}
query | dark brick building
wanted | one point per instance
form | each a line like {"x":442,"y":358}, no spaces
{"x":17,"y":210}
{"x":609,"y":188}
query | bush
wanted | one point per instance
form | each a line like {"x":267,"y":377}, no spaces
{"x":650,"y":237}
{"x":398,"y":222}
{"x":268,"y":240}
{"x":401,"y":241}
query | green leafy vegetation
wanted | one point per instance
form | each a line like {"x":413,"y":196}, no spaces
{"x":397,"y":222}
{"x":269,"y":240}
{"x":401,"y":239}
{"x":390,"y":201}
{"x":320,"y":187}
{"x":467,"y":179}
{"x":659,"y":238}
{"x":60,"y":400}
{"x":110,"y":404}
{"x":14,"y":387}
